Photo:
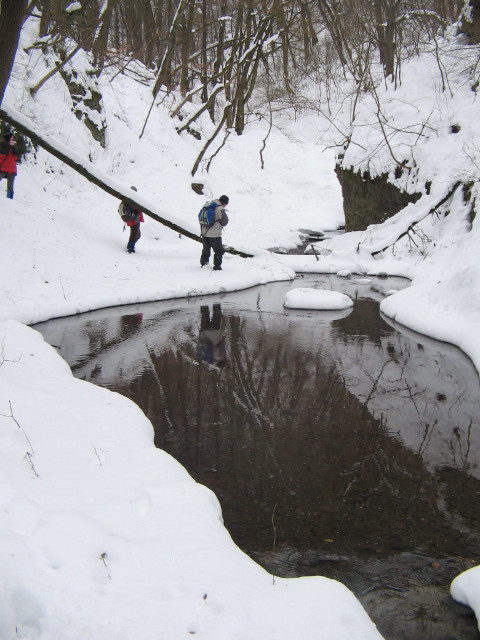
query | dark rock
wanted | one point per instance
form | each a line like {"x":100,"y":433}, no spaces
{"x":471,"y":27}
{"x":369,"y":200}
{"x":198,"y":188}
{"x":311,"y":234}
{"x":85,"y":100}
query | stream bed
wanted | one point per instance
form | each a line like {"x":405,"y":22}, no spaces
{"x":337,"y":443}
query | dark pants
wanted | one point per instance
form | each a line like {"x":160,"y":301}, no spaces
{"x":215,"y":322}
{"x":134,"y":237}
{"x":217,"y":246}
{"x":10,"y":179}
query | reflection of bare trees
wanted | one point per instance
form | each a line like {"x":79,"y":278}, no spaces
{"x":461,"y":449}
{"x":389,"y":375}
{"x":277,"y":426}
{"x":299,"y":426}
{"x":465,"y":515}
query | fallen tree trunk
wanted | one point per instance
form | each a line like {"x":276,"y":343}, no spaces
{"x":83,"y":169}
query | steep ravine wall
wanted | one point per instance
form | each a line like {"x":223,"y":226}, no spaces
{"x":368,"y":200}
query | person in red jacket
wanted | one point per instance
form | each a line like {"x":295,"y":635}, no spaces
{"x":134,"y":229}
{"x":8,"y":161}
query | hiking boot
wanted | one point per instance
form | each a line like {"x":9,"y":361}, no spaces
{"x":131,"y":250}
{"x":217,"y":268}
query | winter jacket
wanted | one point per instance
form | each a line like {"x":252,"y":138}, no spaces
{"x":215,"y":231}
{"x":8,"y":158}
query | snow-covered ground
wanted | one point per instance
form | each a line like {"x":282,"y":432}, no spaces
{"x":102,"y":535}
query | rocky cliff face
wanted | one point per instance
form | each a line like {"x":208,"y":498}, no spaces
{"x":369,"y":200}
{"x":87,"y":103}
{"x":470,"y":21}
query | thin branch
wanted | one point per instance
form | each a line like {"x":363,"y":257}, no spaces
{"x":203,"y":108}
{"x":19,"y":426}
{"x":209,"y":142}
{"x":270,"y":124}
{"x":40,"y":84}
{"x":220,"y":147}
{"x":3,"y":359}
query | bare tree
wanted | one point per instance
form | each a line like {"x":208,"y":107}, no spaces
{"x":214,"y":54}
{"x":164,"y":73}
{"x":12,"y":14}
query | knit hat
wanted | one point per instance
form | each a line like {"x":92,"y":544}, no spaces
{"x":224,"y":199}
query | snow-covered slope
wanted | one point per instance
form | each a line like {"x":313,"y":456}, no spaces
{"x":102,"y":536}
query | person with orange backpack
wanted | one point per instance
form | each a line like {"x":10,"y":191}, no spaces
{"x":8,"y":161}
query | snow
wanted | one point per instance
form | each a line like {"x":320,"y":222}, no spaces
{"x":308,"y":298}
{"x":74,"y":6}
{"x":106,"y":536}
{"x":465,"y":588}
{"x":103,"y":535}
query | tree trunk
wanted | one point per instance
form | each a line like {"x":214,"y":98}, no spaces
{"x":11,"y":20}
{"x":220,"y":55}
{"x":150,"y":33}
{"x":187,"y":26}
{"x":164,"y":76}
{"x":385,"y":15}
{"x":100,"y":42}
{"x":331,"y":21}
{"x":204,"y":56}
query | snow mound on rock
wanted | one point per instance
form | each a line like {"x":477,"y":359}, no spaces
{"x":308,"y":298}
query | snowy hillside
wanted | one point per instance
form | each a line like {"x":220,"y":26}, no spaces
{"x":103,"y":536}
{"x":160,"y":163}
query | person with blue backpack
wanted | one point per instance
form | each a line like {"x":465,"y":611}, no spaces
{"x":213,"y":218}
{"x":211,"y":341}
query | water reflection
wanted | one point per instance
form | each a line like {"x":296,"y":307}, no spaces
{"x":331,"y":440}
{"x":211,"y":341}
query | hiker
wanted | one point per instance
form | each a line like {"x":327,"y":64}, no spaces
{"x":134,"y":228}
{"x":211,"y":231}
{"x":211,"y":342}
{"x":8,"y":161}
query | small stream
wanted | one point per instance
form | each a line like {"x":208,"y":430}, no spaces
{"x":337,"y":444}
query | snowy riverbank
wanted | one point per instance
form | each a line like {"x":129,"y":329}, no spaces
{"x":102,"y":535}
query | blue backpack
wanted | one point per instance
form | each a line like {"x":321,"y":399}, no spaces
{"x":206,"y":217}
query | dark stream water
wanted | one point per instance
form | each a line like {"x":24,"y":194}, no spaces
{"x":337,"y":444}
